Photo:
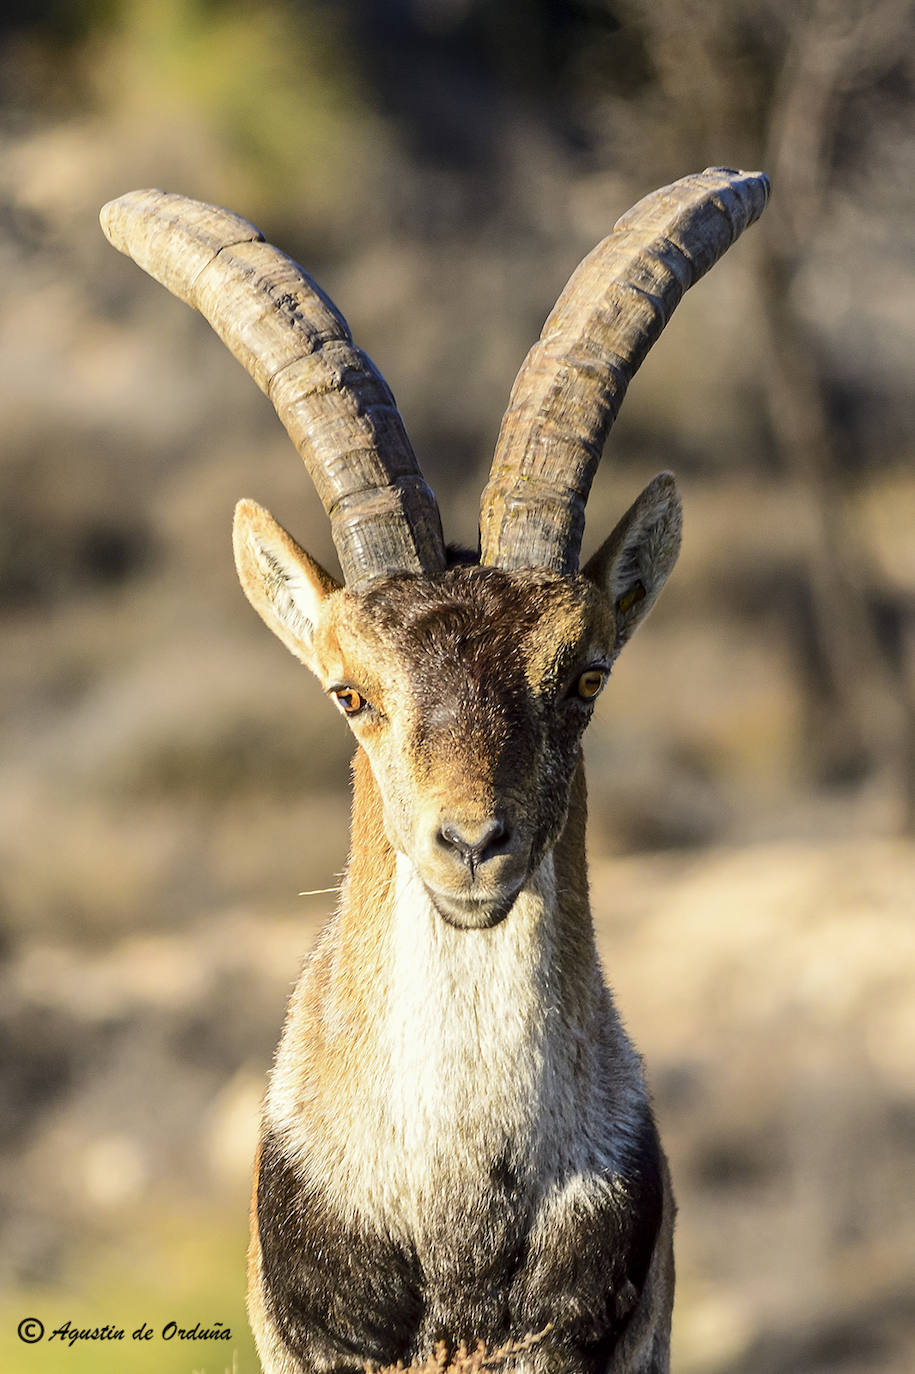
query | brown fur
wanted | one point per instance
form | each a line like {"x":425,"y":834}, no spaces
{"x":458,"y":1143}
{"x":455,"y":1104}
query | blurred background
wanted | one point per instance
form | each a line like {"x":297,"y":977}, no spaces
{"x":173,"y":781}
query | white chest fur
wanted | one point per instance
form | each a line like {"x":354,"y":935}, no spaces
{"x":472,"y":1060}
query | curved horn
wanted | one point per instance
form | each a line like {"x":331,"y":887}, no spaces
{"x":572,"y":383}
{"x":335,"y":405}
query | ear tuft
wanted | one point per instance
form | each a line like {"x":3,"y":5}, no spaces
{"x":284,"y":584}
{"x":635,"y":562}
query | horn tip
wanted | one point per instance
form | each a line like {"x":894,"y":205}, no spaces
{"x":755,"y":186}
{"x":114,"y":212}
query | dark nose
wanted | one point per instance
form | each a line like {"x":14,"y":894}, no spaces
{"x":474,"y":844}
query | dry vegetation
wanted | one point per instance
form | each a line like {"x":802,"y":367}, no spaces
{"x":171,"y":781}
{"x":464,"y":1361}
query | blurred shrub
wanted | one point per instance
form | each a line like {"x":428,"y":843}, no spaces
{"x":260,"y":101}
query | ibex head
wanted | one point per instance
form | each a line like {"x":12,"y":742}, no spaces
{"x":467,"y":686}
{"x":468,"y":689}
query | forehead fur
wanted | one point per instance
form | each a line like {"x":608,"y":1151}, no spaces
{"x":477,"y":617}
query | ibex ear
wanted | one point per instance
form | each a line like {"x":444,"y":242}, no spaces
{"x":635,"y":562}
{"x":284,"y":584}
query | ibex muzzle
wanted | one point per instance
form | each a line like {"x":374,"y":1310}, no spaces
{"x":457,"y":1143}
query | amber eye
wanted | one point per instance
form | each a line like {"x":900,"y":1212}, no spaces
{"x":590,"y":683}
{"x":349,"y":700}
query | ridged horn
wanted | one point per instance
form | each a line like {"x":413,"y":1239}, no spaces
{"x":335,"y":405}
{"x":571,"y":384}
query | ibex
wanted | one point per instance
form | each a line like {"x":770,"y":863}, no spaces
{"x":458,"y":1144}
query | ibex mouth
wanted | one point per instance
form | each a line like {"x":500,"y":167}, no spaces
{"x":472,"y":913}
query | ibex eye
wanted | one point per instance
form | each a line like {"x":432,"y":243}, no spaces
{"x":590,"y":683}
{"x":349,"y":700}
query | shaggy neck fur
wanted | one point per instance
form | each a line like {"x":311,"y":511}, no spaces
{"x":418,"y":1058}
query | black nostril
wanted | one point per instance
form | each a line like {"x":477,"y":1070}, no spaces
{"x":492,"y":840}
{"x":474,"y":848}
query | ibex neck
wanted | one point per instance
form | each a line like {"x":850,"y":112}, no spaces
{"x":418,"y":1030}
